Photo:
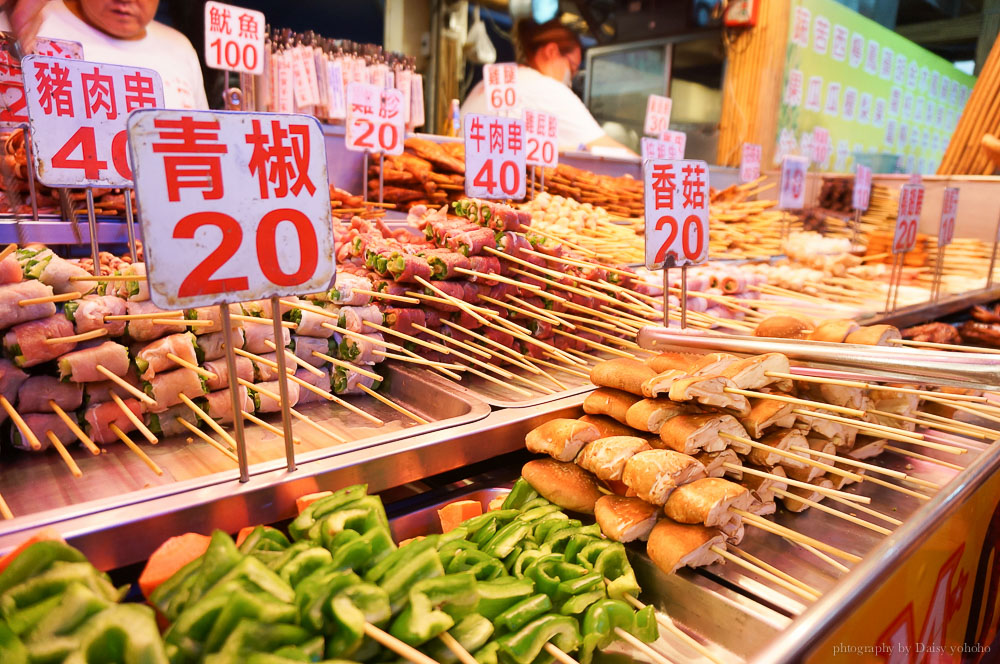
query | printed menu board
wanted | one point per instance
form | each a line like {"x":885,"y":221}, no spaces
{"x":853,"y":86}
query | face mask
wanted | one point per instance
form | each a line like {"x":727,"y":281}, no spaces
{"x":567,"y":77}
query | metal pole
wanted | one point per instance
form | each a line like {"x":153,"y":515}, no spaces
{"x":29,"y":157}
{"x":888,"y":291}
{"x":666,"y":297}
{"x":899,"y":279}
{"x":381,"y":175}
{"x":130,"y":225}
{"x":531,"y":197}
{"x":684,"y":297}
{"x":364,"y":177}
{"x":938,"y":269}
{"x":92,"y":223}
{"x":286,"y":415}
{"x":857,"y":228}
{"x":241,"y":443}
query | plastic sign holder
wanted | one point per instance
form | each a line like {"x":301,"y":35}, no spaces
{"x":77,"y":111}
{"x":946,"y":232}
{"x":676,"y":201}
{"x":270,"y":237}
{"x":911,"y":202}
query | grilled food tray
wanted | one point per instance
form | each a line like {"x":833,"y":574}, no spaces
{"x":33,"y":483}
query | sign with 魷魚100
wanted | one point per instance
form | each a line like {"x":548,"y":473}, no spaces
{"x":494,"y":157}
{"x":676,"y":207}
{"x":77,"y":112}
{"x":235,"y":206}
{"x":234,"y":38}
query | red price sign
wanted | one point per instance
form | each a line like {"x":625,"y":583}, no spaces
{"x":542,"y":130}
{"x":235,"y":206}
{"x":501,"y":86}
{"x":949,"y":211}
{"x":234,"y":38}
{"x":676,"y":205}
{"x":494,"y":157}
{"x":792,"y":194}
{"x":862,"y":188}
{"x":657,"y":115}
{"x":911,"y":202}
{"x":374,"y":119}
{"x":77,"y":111}
{"x":750,"y":162}
{"x":13,"y":108}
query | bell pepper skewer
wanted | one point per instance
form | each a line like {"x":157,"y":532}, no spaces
{"x":452,"y":644}
{"x":134,"y":419}
{"x":33,"y":441}
{"x":128,"y":387}
{"x":644,"y":648}
{"x":669,"y":625}
{"x":205,"y":437}
{"x":392,"y":643}
{"x":73,"y":338}
{"x":61,"y":449}
{"x":135,"y":448}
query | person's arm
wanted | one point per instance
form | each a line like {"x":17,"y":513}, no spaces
{"x":606,"y":141}
{"x":25,"y":18}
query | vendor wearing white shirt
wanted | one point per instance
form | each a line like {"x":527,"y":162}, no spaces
{"x":120,"y":32}
{"x":551,"y":55}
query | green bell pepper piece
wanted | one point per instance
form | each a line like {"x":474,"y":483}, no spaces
{"x":359,"y":552}
{"x":589,"y":554}
{"x":604,"y":617}
{"x":613,"y":564}
{"x":399,"y":581}
{"x":451,"y":549}
{"x":505,"y":539}
{"x":264,"y":538}
{"x":581,"y":584}
{"x":21,"y":621}
{"x":348,"y":613}
{"x":579,"y":603}
{"x":53,"y":582}
{"x":36,"y":559}
{"x":434,"y":606}
{"x":244,"y":607}
{"x":525,"y":560}
{"x":488,"y":653}
{"x":535,"y":503}
{"x":522,"y":613}
{"x":472,"y":633}
{"x":75,"y":606}
{"x":524,"y":646}
{"x":314,"y":593}
{"x":498,"y":595}
{"x":12,"y":651}
{"x":576,"y":544}
{"x":251,"y":636}
{"x":220,"y":557}
{"x":304,"y":564}
{"x":542,"y":527}
{"x":482,"y":565}
{"x":299,"y":528}
{"x":259,"y":578}
{"x":496,"y":517}
{"x":399,"y":557}
{"x":122,"y":633}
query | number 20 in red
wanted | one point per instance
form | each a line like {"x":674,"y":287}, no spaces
{"x":201,"y":280}
{"x":692,"y":237}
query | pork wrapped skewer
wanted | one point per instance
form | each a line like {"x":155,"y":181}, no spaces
{"x":153,"y":357}
{"x":265,"y":404}
{"x":27,"y":345}
{"x":323,"y":382}
{"x":345,"y":381}
{"x":80,"y":366}
{"x":244,"y":370}
{"x":144,"y":329}
{"x":166,"y":388}
{"x":213,"y":346}
{"x":99,"y":418}
{"x":305,"y":346}
{"x":219,"y":405}
{"x":36,"y":392}
{"x":40,"y":424}
{"x":88,"y":314}
{"x":11,"y":313}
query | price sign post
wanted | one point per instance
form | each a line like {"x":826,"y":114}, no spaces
{"x":792,"y":190}
{"x":946,"y":232}
{"x":234,"y":41}
{"x":236,"y":207}
{"x":676,"y":210}
{"x":495,"y":157}
{"x":860,"y":197}
{"x":375,"y":124}
{"x":542,"y":130}
{"x":77,"y":112}
{"x":500,"y":81}
{"x":911,"y":202}
{"x":750,"y":162}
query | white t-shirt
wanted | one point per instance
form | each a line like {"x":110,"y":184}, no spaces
{"x":577,"y":127}
{"x":163,"y":50}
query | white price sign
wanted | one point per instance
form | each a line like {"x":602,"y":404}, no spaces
{"x":13,"y":108}
{"x":862,"y":193}
{"x":542,"y":130}
{"x":655,"y":148}
{"x":916,"y":179}
{"x":374,"y":119}
{"x":417,"y":100}
{"x":235,"y":206}
{"x":677,"y":140}
{"x":820,"y":150}
{"x":77,"y":111}
{"x":494,"y":157}
{"x":949,"y":211}
{"x":676,"y":206}
{"x":750,"y":162}
{"x":792,"y":193}
{"x":501,"y":86}
{"x":657,"y":115}
{"x":234,"y":38}
{"x":911,"y":202}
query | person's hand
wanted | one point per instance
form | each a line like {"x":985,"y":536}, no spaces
{"x":25,"y":18}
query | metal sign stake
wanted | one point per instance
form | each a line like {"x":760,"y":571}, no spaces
{"x":286,"y":415}
{"x":899,"y":280}
{"x":888,"y":290}
{"x":938,"y":267}
{"x":92,"y":223}
{"x":241,"y":443}
{"x":30,"y":159}
{"x":684,"y":297}
{"x":130,"y":225}
{"x":666,"y":296}
{"x":364,"y":177}
{"x":857,"y":227}
{"x":381,"y":176}
{"x":532,"y":196}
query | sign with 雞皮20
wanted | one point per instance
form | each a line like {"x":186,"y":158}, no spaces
{"x":866,"y":89}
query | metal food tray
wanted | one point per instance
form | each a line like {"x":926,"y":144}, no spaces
{"x":500,"y":397}
{"x":38,"y":487}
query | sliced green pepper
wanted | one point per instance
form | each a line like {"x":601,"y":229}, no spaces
{"x":303,"y":564}
{"x":613,"y":565}
{"x":348,"y":612}
{"x":505,"y":539}
{"x":480,"y":564}
{"x":498,"y":595}
{"x":12,"y":651}
{"x":472,"y":633}
{"x":522,"y":613}
{"x":76,"y":605}
{"x":36,"y":559}
{"x":579,"y":603}
{"x":127,"y":630}
{"x":519,"y":494}
{"x":299,"y":528}
{"x":527,"y":644}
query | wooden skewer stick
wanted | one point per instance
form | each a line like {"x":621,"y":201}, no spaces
{"x":496,"y":381}
{"x":836,"y":564}
{"x":788,"y":532}
{"x":774,"y":570}
{"x":85,"y":336}
{"x":270,"y":427}
{"x":135,"y":448}
{"x":991,"y":434}
{"x":363,"y":337}
{"x":837,"y":513}
{"x":760,"y":571}
{"x":509,"y":328}
{"x":65,"y":297}
{"x":109,"y":277}
{"x":795,"y":457}
{"x":400,"y":648}
{"x":930,"y":424}
{"x":899,"y":475}
{"x":387,"y":296}
{"x":965,"y":409}
{"x":866,"y":510}
{"x":560,"y":320}
{"x":74,"y":427}
{"x":497,"y":277}
{"x":29,"y":435}
{"x":507,"y":353}
{"x":155,"y":314}
{"x":416,"y":359}
{"x":521,"y":310}
{"x":955,"y":347}
{"x":295,"y":358}
{"x":125,"y":385}
{"x":802,"y":485}
{"x":883,"y":431}
{"x":440,"y":367}
{"x":414,"y":340}
{"x":461,"y":304}
{"x":347,"y":365}
{"x":802,"y":402}
{"x":180,"y":361}
{"x":413,"y":416}
{"x":452,"y":644}
{"x":262,"y":360}
{"x":4,"y":508}
{"x":923,"y":457}
{"x":898,"y":489}
{"x":980,"y":407}
{"x":262,"y":321}
{"x":205,"y":437}
{"x":559,"y":655}
{"x":461,"y":344}
{"x":596,"y":345}
{"x":468,"y":358}
{"x":668,"y":625}
{"x":203,"y":416}
{"x":553,"y":365}
{"x":134,"y":419}
{"x":644,"y":648}
{"x":7,"y":251}
{"x":179,"y":322}
{"x":871,"y":386}
{"x":67,"y":459}
{"x":624,"y":343}
{"x":315,"y":425}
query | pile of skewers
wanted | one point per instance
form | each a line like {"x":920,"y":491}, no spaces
{"x":587,"y":228}
{"x":621,"y":196}
{"x":427,"y":173}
